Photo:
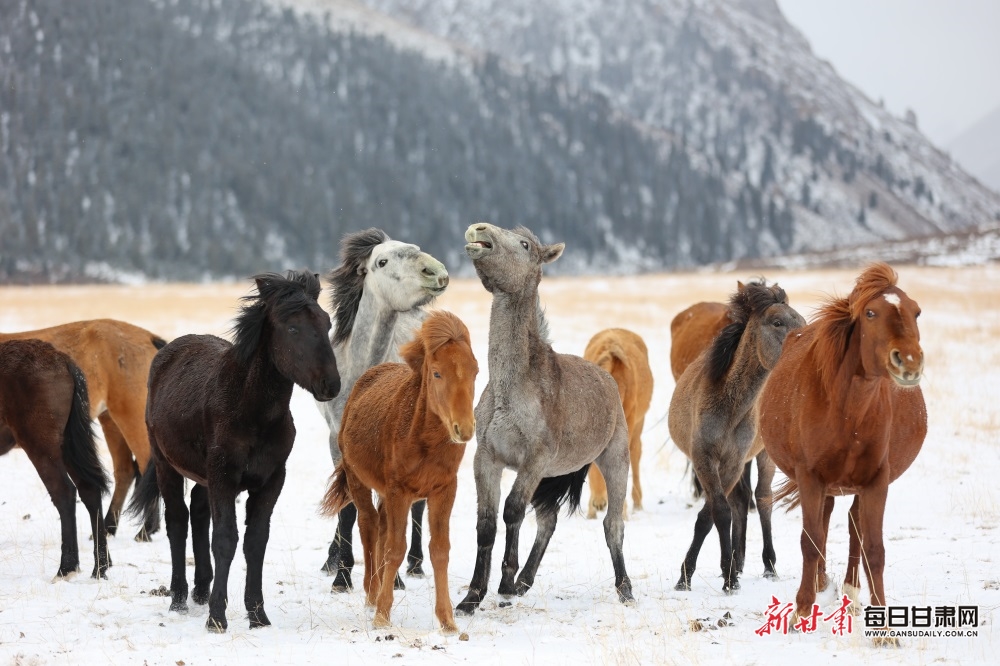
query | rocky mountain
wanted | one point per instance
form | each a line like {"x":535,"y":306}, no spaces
{"x":184,"y":139}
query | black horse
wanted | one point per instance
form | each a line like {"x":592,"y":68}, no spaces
{"x":218,"y":414}
{"x":44,"y":409}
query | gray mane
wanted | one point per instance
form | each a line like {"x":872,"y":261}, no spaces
{"x":348,"y":280}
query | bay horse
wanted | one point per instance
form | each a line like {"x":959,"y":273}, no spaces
{"x":545,"y":415}
{"x":711,"y":418}
{"x":843,"y":414}
{"x":380,"y":293}
{"x":218,"y":414}
{"x":624,"y":356}
{"x":44,"y":409}
{"x":403,"y":435}
{"x":114,"y":357}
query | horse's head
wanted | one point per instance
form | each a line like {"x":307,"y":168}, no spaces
{"x":774,"y":319}
{"x":508,"y":261}
{"x":298,"y":331}
{"x":441,"y":354}
{"x":394,"y":273}
{"x":887,"y":318}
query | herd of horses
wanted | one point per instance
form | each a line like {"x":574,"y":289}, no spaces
{"x":835,"y":404}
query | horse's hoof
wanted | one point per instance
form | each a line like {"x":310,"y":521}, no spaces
{"x":142,"y":536}
{"x":625,"y":594}
{"x":683,"y":585}
{"x":258,"y":619}
{"x":467,"y":607}
{"x":398,"y":584}
{"x":342,"y":583}
{"x":416,"y":570}
{"x":381,"y":621}
{"x":109,"y":527}
{"x":886,"y":642}
{"x":100,"y":573}
{"x":521,"y":587}
{"x":200,"y":595}
{"x":179,"y":606}
{"x":771,"y":574}
{"x":449,"y":628}
{"x":217,"y":625}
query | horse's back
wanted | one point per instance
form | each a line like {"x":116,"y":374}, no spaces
{"x":36,"y":389}
{"x":591,"y":405}
{"x":181,"y":373}
{"x":374,"y":403}
{"x":624,"y":355}
{"x":691,"y":332}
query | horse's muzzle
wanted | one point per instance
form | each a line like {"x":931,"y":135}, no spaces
{"x":327,"y":390}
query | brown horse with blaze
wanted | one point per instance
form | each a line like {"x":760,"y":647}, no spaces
{"x":842,"y":414}
{"x":403,"y":435}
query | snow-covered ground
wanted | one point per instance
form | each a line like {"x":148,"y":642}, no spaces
{"x":942,"y":523}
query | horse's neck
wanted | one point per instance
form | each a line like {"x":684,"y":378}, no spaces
{"x":746,"y":375}
{"x":425,"y":424}
{"x":852,"y":385}
{"x":265,"y":393}
{"x":375,"y":338}
{"x":516,"y":323}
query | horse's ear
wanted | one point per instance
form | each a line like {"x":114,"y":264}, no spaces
{"x":740,"y":286}
{"x":413,"y":353}
{"x":262,"y":283}
{"x":552,"y":252}
{"x":362,"y":269}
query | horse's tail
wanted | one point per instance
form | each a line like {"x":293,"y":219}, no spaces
{"x":79,"y":450}
{"x":553,"y":491}
{"x":787,"y":492}
{"x":158,"y":342}
{"x":145,"y":502}
{"x":338,"y":495}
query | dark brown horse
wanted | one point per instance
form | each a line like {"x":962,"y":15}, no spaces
{"x":691,"y":333}
{"x":218,"y":414}
{"x":44,"y":410}
{"x":625,"y":357}
{"x":403,"y":435}
{"x":711,"y":418}
{"x":114,"y":357}
{"x":842,"y":414}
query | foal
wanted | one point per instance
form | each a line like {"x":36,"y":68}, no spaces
{"x":711,"y":417}
{"x":842,"y":414}
{"x":218,"y":414}
{"x":44,"y":410}
{"x":403,"y":435}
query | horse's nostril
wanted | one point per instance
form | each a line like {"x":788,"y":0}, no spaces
{"x":481,"y":227}
{"x":443,"y":281}
{"x":897,"y":360}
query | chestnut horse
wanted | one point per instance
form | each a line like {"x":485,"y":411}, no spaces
{"x":44,"y":410}
{"x":218,"y":413}
{"x":114,"y":357}
{"x":403,"y":434}
{"x":623,"y":354}
{"x":711,"y":418}
{"x":842,"y":414}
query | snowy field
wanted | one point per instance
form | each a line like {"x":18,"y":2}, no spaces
{"x":942,"y":523}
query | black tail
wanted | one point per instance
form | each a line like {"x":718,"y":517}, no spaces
{"x":145,"y":502}
{"x":553,"y":491}
{"x":79,"y":451}
{"x":696,"y":490}
{"x":158,"y":342}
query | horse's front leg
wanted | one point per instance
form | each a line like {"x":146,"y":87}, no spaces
{"x":175,"y":515}
{"x":487,"y":471}
{"x":514,"y":509}
{"x":822,"y":577}
{"x":394,"y":512}
{"x":812,"y":496}
{"x":439,"y":508}
{"x":763,"y":495}
{"x":225,"y":536}
{"x":260,"y":506}
{"x":368,"y":525}
{"x":852,"y":581}
{"x":415,"y":558}
{"x":201,"y":518}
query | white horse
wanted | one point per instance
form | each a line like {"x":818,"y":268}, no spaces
{"x":380,"y":292}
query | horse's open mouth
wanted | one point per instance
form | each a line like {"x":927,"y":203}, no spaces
{"x":486,"y":244}
{"x":905,"y":383}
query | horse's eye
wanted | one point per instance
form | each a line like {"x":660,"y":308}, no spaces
{"x":778,"y":323}
{"x":293,"y":329}
{"x":870,"y":314}
{"x":524,"y":244}
{"x":437,"y":375}
{"x":382,"y":263}
{"x":916,"y":315}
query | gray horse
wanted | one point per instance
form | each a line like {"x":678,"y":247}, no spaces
{"x":380,"y":292}
{"x":544,"y":415}
{"x":711,"y":420}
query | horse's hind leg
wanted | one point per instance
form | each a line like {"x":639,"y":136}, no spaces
{"x":369,"y":528}
{"x":131,"y":422}
{"x":90,"y":495}
{"x":598,"y":492}
{"x":546,"y":522}
{"x":394,"y":515}
{"x":822,"y":578}
{"x":852,"y":581}
{"x":260,"y":506}
{"x":175,"y":514}
{"x":763,"y":494}
{"x":53,"y":474}
{"x":488,"y":473}
{"x":415,"y":558}
{"x":739,"y":503}
{"x":614,"y":464}
{"x":514,"y":509}
{"x":340,"y":559}
{"x":201,"y":518}
{"x":121,"y":458}
{"x":635,"y":455}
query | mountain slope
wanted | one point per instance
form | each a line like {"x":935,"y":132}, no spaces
{"x":978,"y":149}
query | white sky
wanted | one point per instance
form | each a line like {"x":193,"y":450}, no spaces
{"x":940,"y":58}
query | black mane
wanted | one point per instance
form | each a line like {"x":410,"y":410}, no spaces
{"x":286,"y":294}
{"x":348,"y":280}
{"x":754,"y":298}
